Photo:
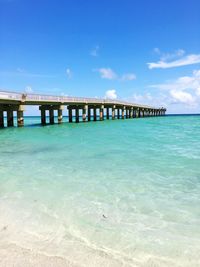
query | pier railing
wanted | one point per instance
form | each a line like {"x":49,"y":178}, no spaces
{"x":10,"y":95}
{"x":26,"y":97}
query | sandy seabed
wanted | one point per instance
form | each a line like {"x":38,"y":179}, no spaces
{"x":13,"y":256}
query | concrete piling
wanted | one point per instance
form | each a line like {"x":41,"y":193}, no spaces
{"x":89,"y":114}
{"x":1,"y":119}
{"x":77,"y":114}
{"x":113,"y":112}
{"x":101,"y":113}
{"x":10,"y":118}
{"x":95,"y":113}
{"x":84,"y":111}
{"x":107,"y":113}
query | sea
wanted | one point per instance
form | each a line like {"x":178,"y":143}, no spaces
{"x":111,"y":193}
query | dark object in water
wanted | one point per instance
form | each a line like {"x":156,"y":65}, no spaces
{"x":104,"y":216}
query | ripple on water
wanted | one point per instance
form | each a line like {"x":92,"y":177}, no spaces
{"x":123,"y":193}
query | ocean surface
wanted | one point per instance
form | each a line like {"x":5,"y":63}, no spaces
{"x":111,"y":193}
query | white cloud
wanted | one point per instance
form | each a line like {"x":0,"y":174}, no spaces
{"x":139,"y":98}
{"x":147,"y":98}
{"x":170,"y":56}
{"x":69,"y":73}
{"x":181,"y":83}
{"x":20,"y":70}
{"x":107,"y":73}
{"x":95,"y":51}
{"x":182,"y":97}
{"x":128,"y":77}
{"x":156,"y":50}
{"x":28,"y":89}
{"x":185,"y":89}
{"x":185,"y":60}
{"x":111,"y":94}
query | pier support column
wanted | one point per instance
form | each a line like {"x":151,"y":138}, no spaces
{"x":20,"y":116}
{"x":118,"y":113}
{"x":131,"y":113}
{"x":51,"y":116}
{"x":89,"y":114}
{"x":84,"y":113}
{"x":1,"y":119}
{"x":95,"y":114}
{"x":127,"y":113}
{"x":10,"y":119}
{"x":107,"y":113}
{"x":123,"y":112}
{"x":70,"y":114}
{"x":113,"y":112}
{"x":102,"y":113}
{"x":43,"y":116}
{"x":60,"y":116}
{"x":143,"y":113}
{"x":77,"y":114}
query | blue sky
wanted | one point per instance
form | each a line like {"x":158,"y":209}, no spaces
{"x":140,"y":51}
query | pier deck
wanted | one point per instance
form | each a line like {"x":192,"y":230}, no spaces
{"x":13,"y":101}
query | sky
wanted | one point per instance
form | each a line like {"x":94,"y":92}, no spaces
{"x":142,"y":51}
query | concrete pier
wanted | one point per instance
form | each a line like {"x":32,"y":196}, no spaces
{"x":70,"y":114}
{"x":113,"y":112}
{"x":60,"y":116}
{"x":123,"y":109}
{"x":20,"y":115}
{"x":10,"y":118}
{"x":1,"y":119}
{"x":9,"y":110}
{"x":20,"y":119}
{"x":107,"y":114}
{"x":118,"y":113}
{"x":43,"y":116}
{"x":15,"y":102}
{"x":84,"y":111}
{"x":51,"y":116}
{"x":131,"y":113}
{"x":95,"y":113}
{"x":77,"y":114}
{"x":89,"y":114}
{"x":101,"y":112}
{"x":127,"y":113}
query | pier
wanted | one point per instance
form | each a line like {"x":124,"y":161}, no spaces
{"x":87,"y":109}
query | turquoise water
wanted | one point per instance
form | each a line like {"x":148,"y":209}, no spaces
{"x":112,"y":193}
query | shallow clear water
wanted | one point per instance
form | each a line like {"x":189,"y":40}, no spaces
{"x":112,"y":193}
